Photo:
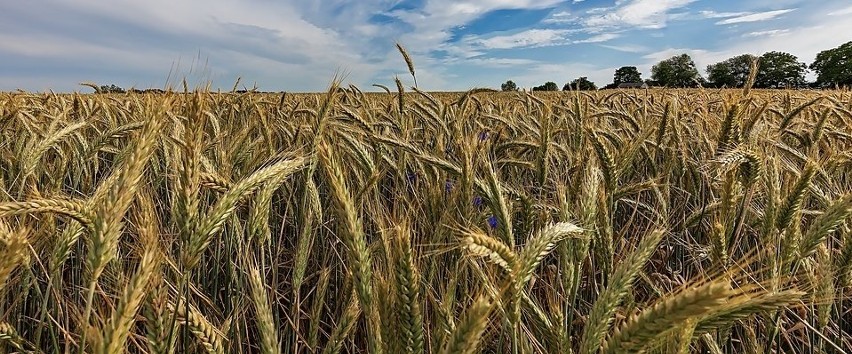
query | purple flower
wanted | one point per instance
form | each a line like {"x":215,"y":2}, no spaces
{"x":448,"y":186}
{"x":492,"y":221}
{"x":483,"y":135}
{"x":477,"y":201}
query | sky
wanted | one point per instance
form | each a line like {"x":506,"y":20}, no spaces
{"x":300,"y":45}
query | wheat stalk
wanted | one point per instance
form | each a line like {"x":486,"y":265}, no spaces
{"x":265,"y":320}
{"x":207,"y":335}
{"x":225,"y":206}
{"x":355,"y":241}
{"x":607,"y":303}
{"x":13,"y":251}
{"x":70,"y":208}
{"x":668,"y":314}
{"x":408,"y":61}
{"x":344,"y":327}
{"x":408,"y":294}
{"x":120,"y":324}
{"x":468,"y":332}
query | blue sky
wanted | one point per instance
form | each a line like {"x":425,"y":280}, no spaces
{"x":299,"y":45}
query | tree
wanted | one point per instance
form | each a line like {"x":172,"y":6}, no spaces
{"x":548,"y":86}
{"x":580,"y":84}
{"x":103,"y":88}
{"x":626,"y":74}
{"x":110,"y":89}
{"x":732,"y":72}
{"x":509,"y":86}
{"x":779,"y":69}
{"x":834,"y":66}
{"x":677,"y":71}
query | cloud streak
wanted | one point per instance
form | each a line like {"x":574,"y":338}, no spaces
{"x":529,"y":38}
{"x":775,"y":32}
{"x":647,"y":14}
{"x":755,"y":17}
{"x":605,"y":37}
{"x":714,"y":14}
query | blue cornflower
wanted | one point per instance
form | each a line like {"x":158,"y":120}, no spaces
{"x":492,"y":221}
{"x":477,"y":201}
{"x":483,"y":135}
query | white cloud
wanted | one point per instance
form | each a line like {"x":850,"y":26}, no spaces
{"x":841,"y":12}
{"x":768,"y":33}
{"x":559,"y":17}
{"x":528,"y":38}
{"x":648,"y":14}
{"x":714,"y":14}
{"x":755,"y":17}
{"x":598,"y":10}
{"x":605,"y":37}
{"x":500,"y":62}
{"x":627,"y":48}
{"x":437,"y":17}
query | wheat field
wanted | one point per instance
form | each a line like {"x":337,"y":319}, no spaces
{"x":661,"y":221}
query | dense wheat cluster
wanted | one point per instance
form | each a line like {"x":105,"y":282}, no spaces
{"x":624,"y":221}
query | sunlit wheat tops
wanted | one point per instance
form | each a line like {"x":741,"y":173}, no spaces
{"x":404,"y":221}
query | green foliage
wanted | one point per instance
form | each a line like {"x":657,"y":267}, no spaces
{"x":548,"y":86}
{"x":626,"y":74}
{"x":732,"y":72}
{"x":110,"y":89}
{"x":509,"y":86}
{"x":780,"y":70}
{"x":677,"y":71}
{"x":580,"y":84}
{"x":834,"y":66}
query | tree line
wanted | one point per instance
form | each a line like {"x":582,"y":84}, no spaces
{"x":771,"y":70}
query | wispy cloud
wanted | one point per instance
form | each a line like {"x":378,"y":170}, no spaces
{"x":841,"y":12}
{"x":648,"y":14}
{"x":769,"y":33}
{"x":528,"y":38}
{"x":714,"y":14}
{"x":559,"y":17}
{"x":599,"y":38}
{"x":500,"y":62}
{"x":627,"y":48}
{"x":755,"y":17}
